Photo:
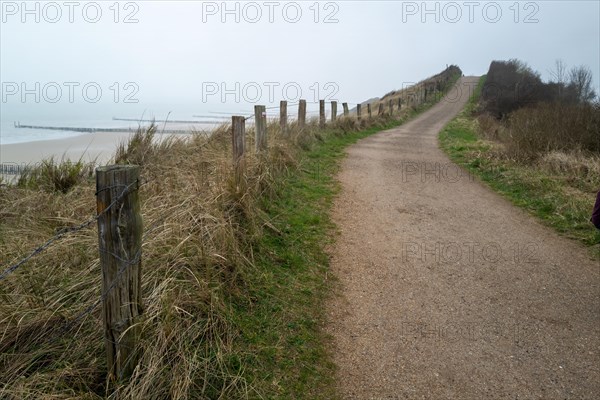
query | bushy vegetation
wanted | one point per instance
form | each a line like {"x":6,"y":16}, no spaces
{"x":511,"y":85}
{"x":553,"y":127}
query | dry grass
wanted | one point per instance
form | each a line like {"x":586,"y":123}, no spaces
{"x":193,"y":253}
{"x":413,"y":97}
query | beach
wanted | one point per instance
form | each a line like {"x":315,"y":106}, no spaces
{"x":99,"y":146}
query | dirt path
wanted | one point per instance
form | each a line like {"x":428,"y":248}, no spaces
{"x":447,"y":291}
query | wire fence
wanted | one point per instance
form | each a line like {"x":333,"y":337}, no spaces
{"x":69,"y":324}
{"x":125,"y":264}
{"x":16,"y":169}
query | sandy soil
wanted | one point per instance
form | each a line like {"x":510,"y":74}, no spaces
{"x":447,"y":291}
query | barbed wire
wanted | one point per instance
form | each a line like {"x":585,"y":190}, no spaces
{"x":405,"y":97}
{"x":65,"y":231}
{"x":68,"y":325}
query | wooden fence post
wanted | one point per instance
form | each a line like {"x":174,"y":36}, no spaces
{"x":120,"y":247}
{"x":399,"y":104}
{"x":391,"y":107}
{"x":358,"y":110}
{"x":238,"y":136}
{"x":283,"y":116}
{"x":346,"y":111}
{"x":321,"y":114}
{"x":380,"y":111}
{"x":260,"y":128}
{"x":302,"y":114}
{"x":369,"y":110}
{"x":333,"y":111}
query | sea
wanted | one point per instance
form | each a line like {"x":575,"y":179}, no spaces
{"x":102,"y":116}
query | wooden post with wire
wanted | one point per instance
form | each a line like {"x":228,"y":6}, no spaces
{"x":391,"y":107}
{"x":302,"y":114}
{"x":381,"y":108}
{"x":369,"y":111}
{"x":333,"y":111}
{"x":283,"y":116}
{"x":358,"y":111}
{"x":346,"y":111}
{"x":260,"y":128}
{"x":238,"y":137}
{"x":322,"y":114}
{"x":399,"y":104}
{"x":120,"y":246}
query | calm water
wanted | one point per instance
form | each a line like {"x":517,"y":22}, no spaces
{"x":97,"y":116}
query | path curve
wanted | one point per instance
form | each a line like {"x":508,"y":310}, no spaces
{"x":446,"y":290}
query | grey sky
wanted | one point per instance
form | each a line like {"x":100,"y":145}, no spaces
{"x":374,"y":47}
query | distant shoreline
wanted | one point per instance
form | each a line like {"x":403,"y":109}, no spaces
{"x":96,"y":146}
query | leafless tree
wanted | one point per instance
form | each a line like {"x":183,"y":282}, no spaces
{"x":559,"y":75}
{"x":580,"y":79}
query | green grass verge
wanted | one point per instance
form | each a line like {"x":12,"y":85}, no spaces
{"x":550,"y":197}
{"x":284,"y":349}
{"x":284,"y":346}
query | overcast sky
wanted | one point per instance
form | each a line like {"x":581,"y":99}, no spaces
{"x":186,"y":52}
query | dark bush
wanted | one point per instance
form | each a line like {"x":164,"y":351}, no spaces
{"x":553,"y":127}
{"x":511,"y":85}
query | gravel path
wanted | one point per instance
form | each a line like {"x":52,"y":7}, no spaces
{"x":446,"y":290}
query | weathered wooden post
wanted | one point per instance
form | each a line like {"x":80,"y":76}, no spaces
{"x":369,"y":110}
{"x":358,"y":111}
{"x":333,"y":111}
{"x":321,"y":114}
{"x":391,"y":107}
{"x":346,"y":111}
{"x":283,"y":116}
{"x":399,"y":104}
{"x":120,"y":246}
{"x":380,"y":111}
{"x":302,"y":114}
{"x":260,"y":128}
{"x":238,"y":137}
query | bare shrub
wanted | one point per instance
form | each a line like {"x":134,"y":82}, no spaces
{"x":488,"y":127}
{"x":553,"y":127}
